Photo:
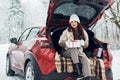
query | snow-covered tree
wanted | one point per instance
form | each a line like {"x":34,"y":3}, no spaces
{"x":108,"y":28}
{"x":15,"y":19}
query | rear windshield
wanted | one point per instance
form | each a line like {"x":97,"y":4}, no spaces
{"x":84,"y":11}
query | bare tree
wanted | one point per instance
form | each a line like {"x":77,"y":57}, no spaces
{"x":114,"y":13}
{"x":109,"y":25}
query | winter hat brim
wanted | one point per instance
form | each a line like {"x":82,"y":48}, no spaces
{"x":74,"y":17}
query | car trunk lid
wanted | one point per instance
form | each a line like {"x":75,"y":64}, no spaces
{"x":89,"y":11}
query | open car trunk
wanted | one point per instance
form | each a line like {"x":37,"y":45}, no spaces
{"x":89,"y":11}
{"x":56,"y":33}
{"x":94,"y":44}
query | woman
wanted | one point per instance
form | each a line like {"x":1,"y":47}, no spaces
{"x":76,"y":32}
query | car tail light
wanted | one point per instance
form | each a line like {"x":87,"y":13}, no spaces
{"x":109,"y":52}
{"x":107,"y":56}
{"x":44,"y":43}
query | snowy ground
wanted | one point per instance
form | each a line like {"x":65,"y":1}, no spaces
{"x":4,"y":48}
{"x":116,"y":64}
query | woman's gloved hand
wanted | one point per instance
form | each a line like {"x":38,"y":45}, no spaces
{"x":82,"y":42}
{"x":75,"y":43}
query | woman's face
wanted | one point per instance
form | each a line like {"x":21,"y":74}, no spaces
{"x":74,"y":24}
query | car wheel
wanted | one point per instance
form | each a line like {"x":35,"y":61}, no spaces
{"x":31,"y":72}
{"x":9,"y":72}
{"x":109,"y":74}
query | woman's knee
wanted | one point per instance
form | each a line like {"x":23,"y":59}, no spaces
{"x":65,"y":54}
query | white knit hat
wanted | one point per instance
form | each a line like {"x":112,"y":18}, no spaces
{"x":74,"y":17}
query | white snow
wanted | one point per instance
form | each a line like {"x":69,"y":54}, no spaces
{"x":4,"y":49}
{"x":116,"y":64}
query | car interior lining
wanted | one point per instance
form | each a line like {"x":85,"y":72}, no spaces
{"x":59,"y":17}
{"x":63,"y":12}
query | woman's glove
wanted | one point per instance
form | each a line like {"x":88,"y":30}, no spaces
{"x":82,"y":42}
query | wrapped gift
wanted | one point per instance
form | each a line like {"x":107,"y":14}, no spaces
{"x":74,"y":43}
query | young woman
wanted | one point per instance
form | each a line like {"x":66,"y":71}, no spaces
{"x":76,"y":32}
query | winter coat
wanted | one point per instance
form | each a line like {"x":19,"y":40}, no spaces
{"x":66,"y":35}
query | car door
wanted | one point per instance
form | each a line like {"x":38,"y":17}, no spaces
{"x":25,"y":43}
{"x":17,"y":52}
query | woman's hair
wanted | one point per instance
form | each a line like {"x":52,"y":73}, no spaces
{"x":77,"y":33}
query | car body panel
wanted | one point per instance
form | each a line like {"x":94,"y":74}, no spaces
{"x":106,"y":53}
{"x":18,"y":53}
{"x":107,"y":59}
{"x":44,"y":57}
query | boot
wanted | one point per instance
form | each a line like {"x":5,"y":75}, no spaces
{"x":87,"y":78}
{"x":78,"y":71}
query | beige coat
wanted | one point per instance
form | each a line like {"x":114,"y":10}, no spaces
{"x":66,"y":35}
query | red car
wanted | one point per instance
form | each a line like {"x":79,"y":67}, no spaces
{"x":33,"y":53}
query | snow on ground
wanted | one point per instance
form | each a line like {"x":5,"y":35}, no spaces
{"x":116,"y":64}
{"x":4,"y":48}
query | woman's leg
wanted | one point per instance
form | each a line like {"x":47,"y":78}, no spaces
{"x":73,"y":54}
{"x":85,"y":66}
{"x":65,"y":53}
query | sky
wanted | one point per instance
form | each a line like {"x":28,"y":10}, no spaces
{"x":33,"y":15}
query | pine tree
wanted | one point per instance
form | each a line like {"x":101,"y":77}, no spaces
{"x":15,"y":18}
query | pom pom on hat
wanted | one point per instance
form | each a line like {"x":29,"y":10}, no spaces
{"x":74,"y":17}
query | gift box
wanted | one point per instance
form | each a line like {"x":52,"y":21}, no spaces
{"x":74,"y":43}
